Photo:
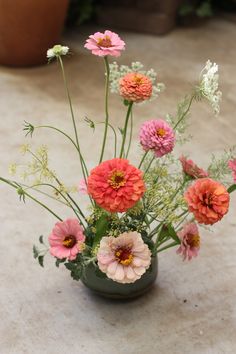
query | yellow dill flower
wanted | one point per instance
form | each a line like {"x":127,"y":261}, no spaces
{"x":12,"y":169}
{"x":24,"y":148}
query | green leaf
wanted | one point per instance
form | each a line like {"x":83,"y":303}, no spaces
{"x":41,"y":239}
{"x":173,"y":234}
{"x":59,"y":261}
{"x":35,"y":252}
{"x":40,"y":259}
{"x":232,"y":188}
{"x":101,"y":228}
{"x":75,"y":270}
{"x":167,"y":230}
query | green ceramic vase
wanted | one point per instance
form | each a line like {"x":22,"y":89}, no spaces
{"x":98,"y":282}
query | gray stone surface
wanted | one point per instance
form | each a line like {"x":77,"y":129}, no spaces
{"x":191,"y":309}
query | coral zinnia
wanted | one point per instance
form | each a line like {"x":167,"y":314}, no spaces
{"x":115,"y":185}
{"x":124,"y":258}
{"x":103,"y":44}
{"x":158,"y":136}
{"x":208,"y":200}
{"x":190,"y":241}
{"x":191,"y":169}
{"x":135,"y":87}
{"x":66,"y":239}
{"x":232,"y":166}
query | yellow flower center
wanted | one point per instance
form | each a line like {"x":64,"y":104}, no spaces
{"x":138,"y":79}
{"x":117,"y":179}
{"x":161,"y":132}
{"x":69,"y":241}
{"x":194,"y":241}
{"x":104,"y":42}
{"x":124,"y":256}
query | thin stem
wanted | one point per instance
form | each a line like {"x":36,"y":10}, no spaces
{"x":149,"y":165}
{"x":16,"y":186}
{"x":106,"y":106}
{"x":115,"y":136}
{"x":130,"y":134}
{"x":172,"y":244}
{"x":62,"y":195}
{"x":186,"y":112}
{"x":125,"y":128}
{"x":68,"y":137}
{"x":72,"y":113}
{"x":143,"y":158}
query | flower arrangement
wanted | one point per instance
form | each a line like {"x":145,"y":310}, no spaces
{"x":134,"y":212}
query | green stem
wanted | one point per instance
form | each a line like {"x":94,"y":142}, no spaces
{"x":149,"y":165}
{"x":72,"y":114}
{"x":130,"y":134}
{"x":168,"y":246}
{"x":143,"y":158}
{"x":31,"y":197}
{"x":62,"y":195}
{"x":115,"y":136}
{"x":72,"y":141}
{"x":186,"y":112}
{"x":106,"y":107}
{"x":125,"y":128}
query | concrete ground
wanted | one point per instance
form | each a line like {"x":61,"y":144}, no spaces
{"x":192,"y":307}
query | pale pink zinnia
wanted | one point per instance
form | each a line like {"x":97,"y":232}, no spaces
{"x":115,"y":185}
{"x":135,"y":87}
{"x":191,"y":169}
{"x":190,"y":241}
{"x":103,"y":44}
{"x":157,"y":135}
{"x":232,"y":166}
{"x":66,"y":239}
{"x":208,"y":200}
{"x":125,"y":258}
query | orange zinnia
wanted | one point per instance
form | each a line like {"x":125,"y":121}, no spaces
{"x":208,"y":200}
{"x":115,"y":185}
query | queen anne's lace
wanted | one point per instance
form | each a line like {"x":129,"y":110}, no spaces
{"x":208,"y":87}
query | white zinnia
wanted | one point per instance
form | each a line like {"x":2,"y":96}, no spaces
{"x":209,"y":85}
{"x":57,"y":51}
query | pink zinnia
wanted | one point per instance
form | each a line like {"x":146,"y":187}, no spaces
{"x":208,"y":200}
{"x":103,"y":44}
{"x":125,"y":258}
{"x":191,"y":169}
{"x":115,"y":185}
{"x":190,"y":241}
{"x":66,"y":239}
{"x":158,"y":136}
{"x":232,"y":166}
{"x":135,"y":87}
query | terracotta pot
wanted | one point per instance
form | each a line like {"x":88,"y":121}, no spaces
{"x":28,"y":28}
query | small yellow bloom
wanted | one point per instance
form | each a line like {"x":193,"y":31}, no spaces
{"x":12,"y":169}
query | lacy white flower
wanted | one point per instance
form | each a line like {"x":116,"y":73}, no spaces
{"x":209,"y":85}
{"x":117,"y":72}
{"x":57,"y":51}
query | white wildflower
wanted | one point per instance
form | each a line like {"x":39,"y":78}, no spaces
{"x":117,"y":72}
{"x":208,"y":87}
{"x":57,"y":51}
